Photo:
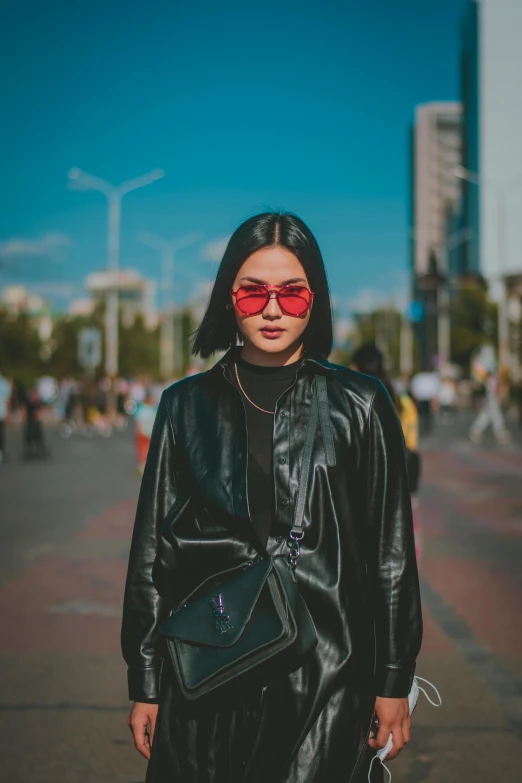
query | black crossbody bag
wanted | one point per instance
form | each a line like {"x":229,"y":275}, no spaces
{"x":256,"y":619}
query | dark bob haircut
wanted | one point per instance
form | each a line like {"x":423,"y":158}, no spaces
{"x":218,"y":330}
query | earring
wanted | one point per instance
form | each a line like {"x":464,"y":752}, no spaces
{"x":228,"y":307}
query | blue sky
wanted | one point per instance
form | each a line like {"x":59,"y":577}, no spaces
{"x":246,"y":105}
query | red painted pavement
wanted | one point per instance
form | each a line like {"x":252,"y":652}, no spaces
{"x":29,"y":603}
{"x":114,"y":522}
{"x":488,"y":600}
{"x":70,"y":605}
{"x":434,"y":639}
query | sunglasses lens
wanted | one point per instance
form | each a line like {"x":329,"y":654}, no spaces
{"x":295,"y":300}
{"x":251,"y":299}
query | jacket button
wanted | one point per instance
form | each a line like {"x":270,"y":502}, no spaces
{"x":283,"y":414}
{"x":282,"y":460}
{"x":284,"y":502}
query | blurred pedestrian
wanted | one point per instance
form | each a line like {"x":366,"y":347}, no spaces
{"x":369,"y":360}
{"x":67,"y":398}
{"x":278,"y":460}
{"x":425,"y":387}
{"x":518,"y":392}
{"x":144,"y":422}
{"x":447,"y":398}
{"x":47,"y":389}
{"x":5,"y":398}
{"x":490,"y":413}
{"x":122,"y":395}
{"x":34,"y":442}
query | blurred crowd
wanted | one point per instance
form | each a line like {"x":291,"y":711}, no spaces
{"x":84,"y":407}
{"x":438,"y":397}
{"x":96,"y":407}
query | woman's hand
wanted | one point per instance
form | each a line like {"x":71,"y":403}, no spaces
{"x":394,"y":718}
{"x":141,"y":716}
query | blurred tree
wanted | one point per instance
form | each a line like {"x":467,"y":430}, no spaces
{"x":187,"y":328}
{"x":63,"y":360}
{"x":22,"y":357}
{"x":473,"y":322}
{"x":20,"y":348}
{"x":139,"y":349}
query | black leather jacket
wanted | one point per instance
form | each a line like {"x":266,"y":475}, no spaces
{"x":357,"y":571}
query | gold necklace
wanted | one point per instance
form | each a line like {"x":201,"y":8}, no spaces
{"x":247,"y":397}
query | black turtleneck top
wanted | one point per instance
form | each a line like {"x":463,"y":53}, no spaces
{"x":264,"y":386}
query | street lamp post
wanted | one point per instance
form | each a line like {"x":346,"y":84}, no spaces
{"x":501,"y":191}
{"x":114,"y":195}
{"x":168,"y":250}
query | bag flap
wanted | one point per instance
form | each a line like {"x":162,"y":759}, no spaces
{"x":219,"y":617}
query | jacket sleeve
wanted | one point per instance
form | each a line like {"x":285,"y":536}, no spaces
{"x":391,"y":556}
{"x":143,"y":608}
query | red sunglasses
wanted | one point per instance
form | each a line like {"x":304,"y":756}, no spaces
{"x":293,"y":300}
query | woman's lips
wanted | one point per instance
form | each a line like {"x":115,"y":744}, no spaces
{"x":271,"y":333}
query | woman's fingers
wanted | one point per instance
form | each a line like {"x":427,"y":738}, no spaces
{"x":152,"y":728}
{"x":141,"y":738}
{"x":141,"y":717}
{"x":393,"y":718}
{"x":381,"y":737}
{"x":398,"y":743}
{"x":399,"y":739}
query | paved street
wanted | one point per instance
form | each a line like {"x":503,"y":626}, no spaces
{"x":64,"y":537}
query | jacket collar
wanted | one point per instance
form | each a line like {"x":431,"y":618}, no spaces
{"x":313,"y":364}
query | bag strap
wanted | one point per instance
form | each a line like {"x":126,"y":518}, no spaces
{"x":319,"y":411}
{"x":297,"y":527}
{"x":324,"y":418}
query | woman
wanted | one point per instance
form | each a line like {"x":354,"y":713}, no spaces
{"x":220,"y":485}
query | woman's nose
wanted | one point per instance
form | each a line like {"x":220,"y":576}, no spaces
{"x":272,"y":310}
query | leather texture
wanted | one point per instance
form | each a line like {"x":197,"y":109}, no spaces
{"x":357,"y":575}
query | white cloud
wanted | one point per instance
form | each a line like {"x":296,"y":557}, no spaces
{"x":367,"y":298}
{"x":213,"y":251}
{"x":65,"y":290}
{"x":47,"y":245}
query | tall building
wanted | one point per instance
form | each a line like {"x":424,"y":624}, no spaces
{"x":435,"y":202}
{"x":500,"y":123}
{"x":467,"y":254}
{"x":492,"y":158}
{"x":437,"y":151}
